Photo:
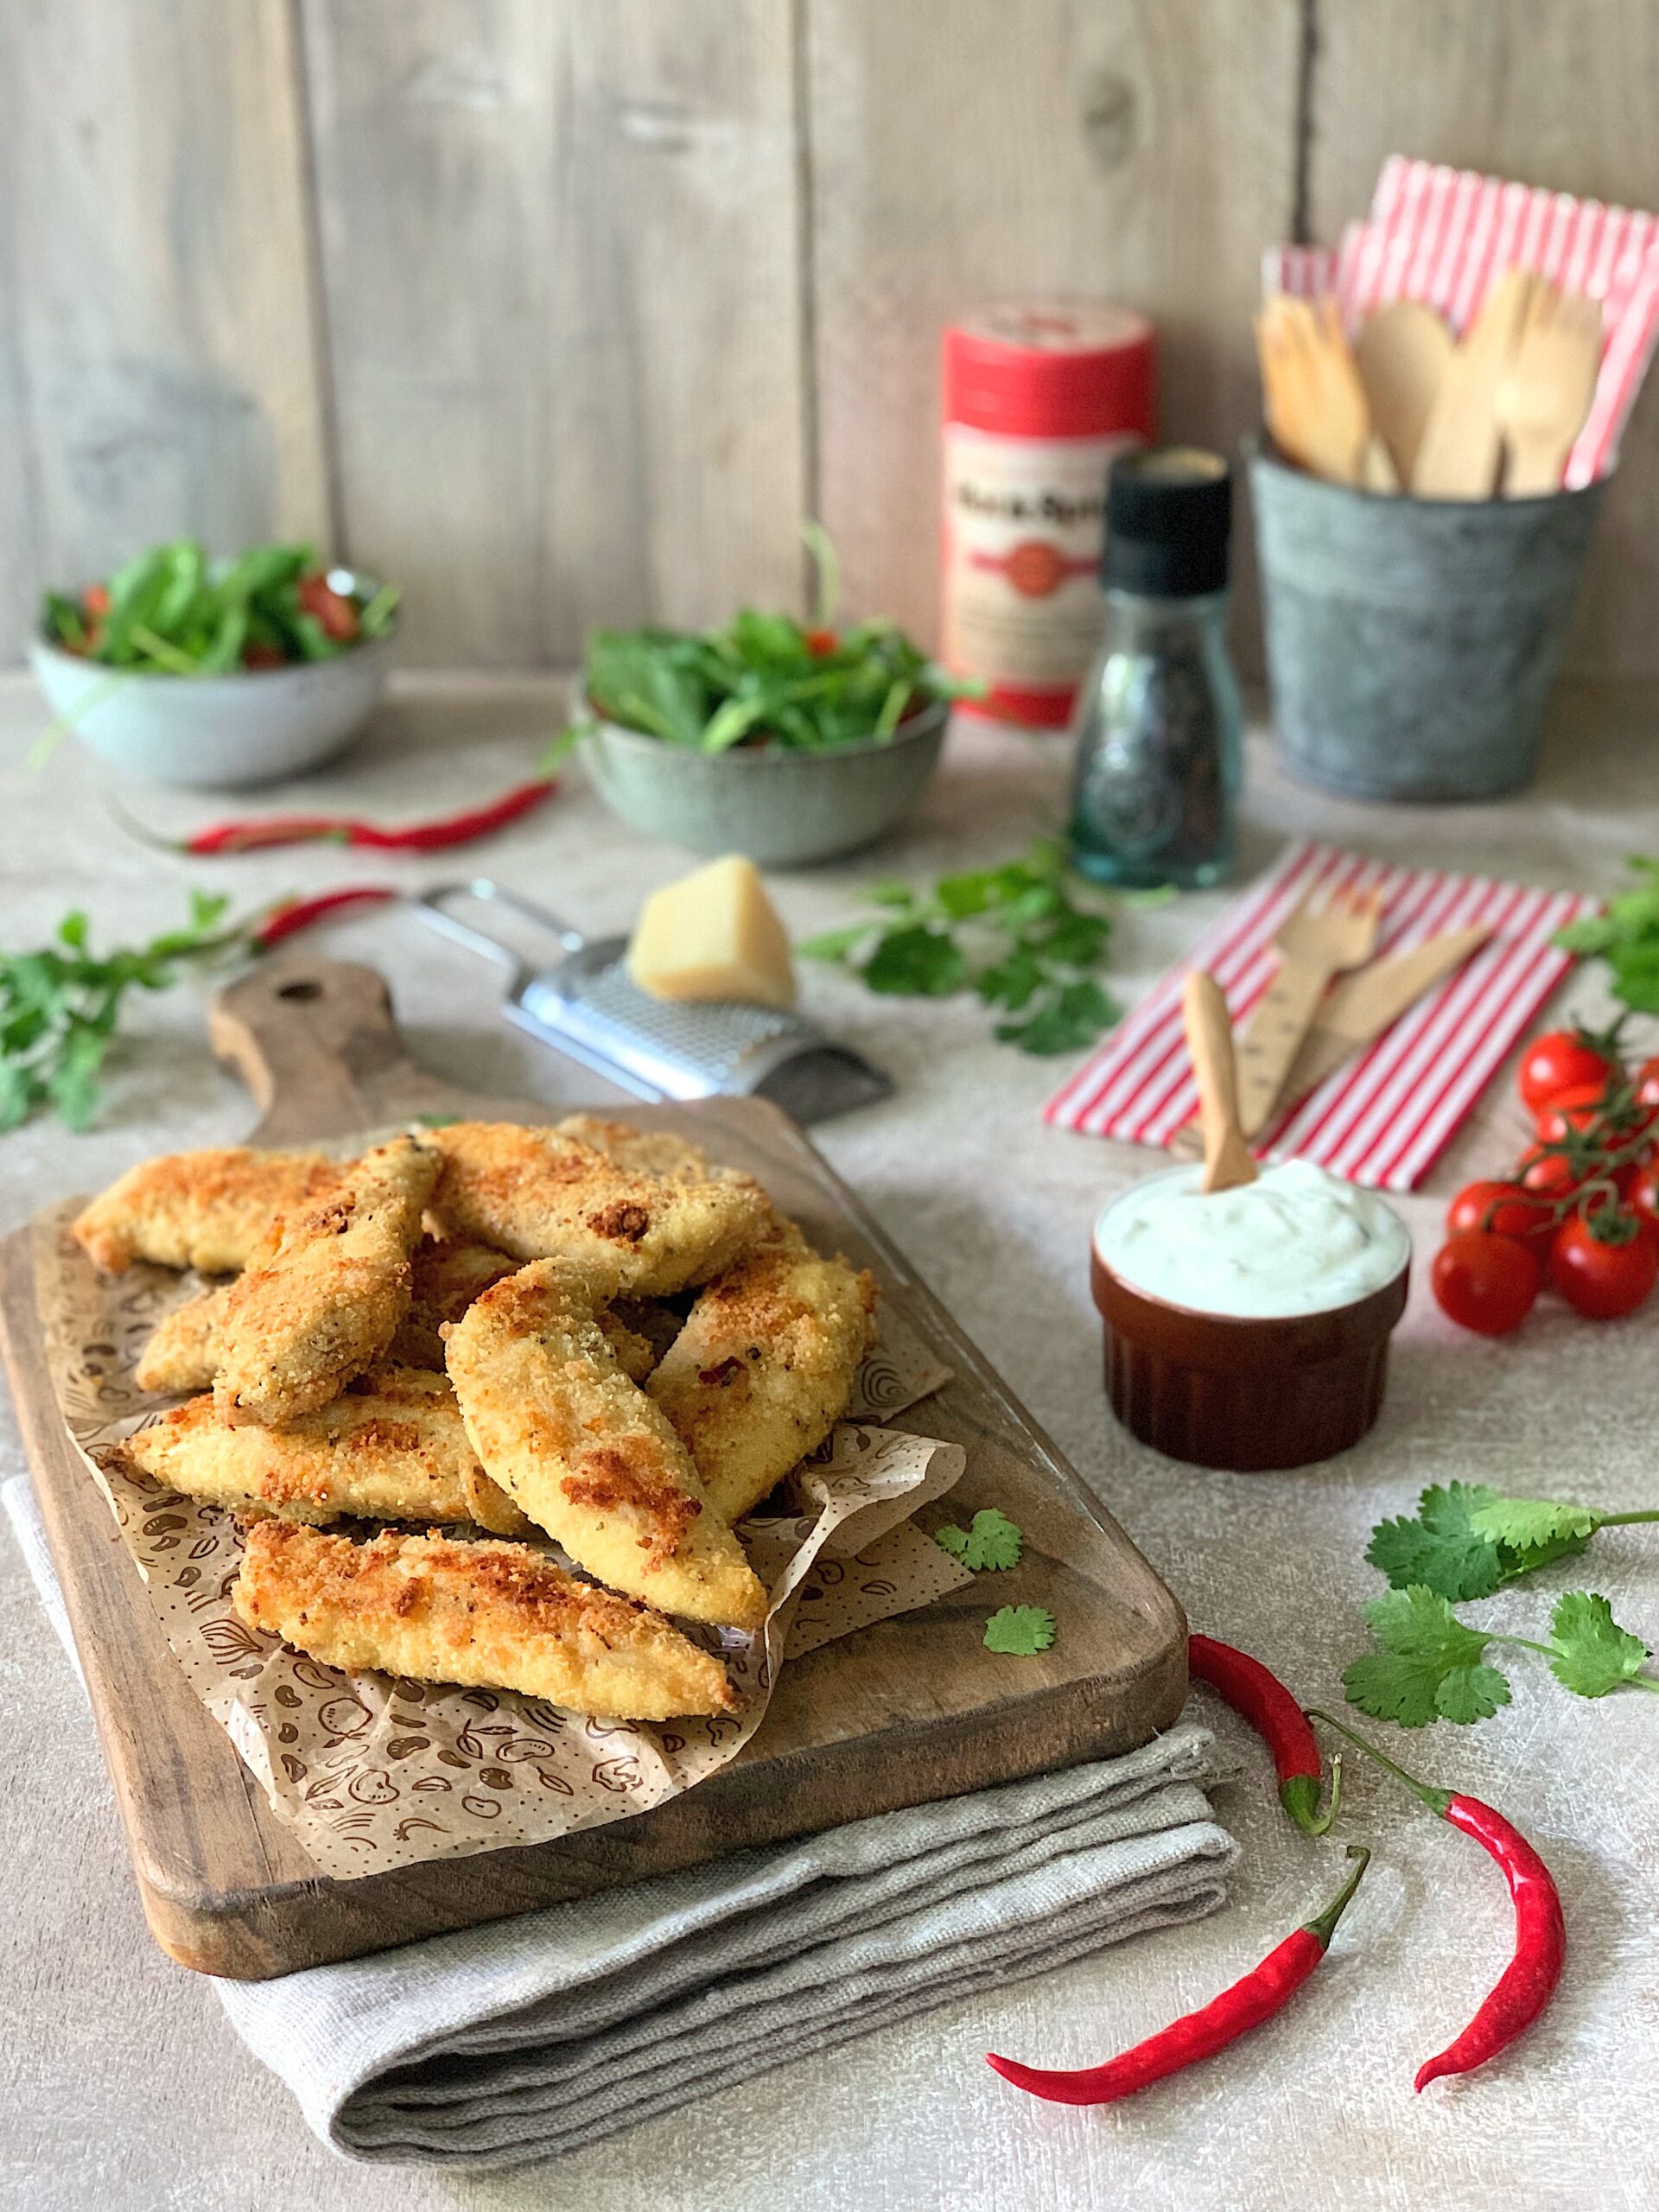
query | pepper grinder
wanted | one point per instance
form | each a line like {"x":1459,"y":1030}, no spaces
{"x":1159,"y":725}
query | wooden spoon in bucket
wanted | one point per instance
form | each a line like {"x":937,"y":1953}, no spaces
{"x":1227,"y":1161}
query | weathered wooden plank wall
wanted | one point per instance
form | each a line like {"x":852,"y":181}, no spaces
{"x":568,"y":310}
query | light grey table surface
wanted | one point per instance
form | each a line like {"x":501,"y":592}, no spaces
{"x":121,"y":2086}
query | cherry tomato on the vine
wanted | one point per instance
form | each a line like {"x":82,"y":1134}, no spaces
{"x":1646,"y":1082}
{"x":1605,"y":1264}
{"x":1640,"y":1189}
{"x":1547,"y":1174}
{"x":1577,"y":1106}
{"x":1508,"y":1211}
{"x":1486,"y":1282}
{"x":1561,"y":1060}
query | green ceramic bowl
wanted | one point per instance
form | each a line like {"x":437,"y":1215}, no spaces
{"x":784,"y":809}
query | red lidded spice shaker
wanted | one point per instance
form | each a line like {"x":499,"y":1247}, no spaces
{"x":1039,"y":398}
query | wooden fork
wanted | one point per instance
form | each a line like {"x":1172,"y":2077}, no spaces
{"x":1312,"y":945}
{"x":1545,"y":395}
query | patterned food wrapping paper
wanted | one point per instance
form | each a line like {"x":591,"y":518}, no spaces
{"x":371,"y":1772}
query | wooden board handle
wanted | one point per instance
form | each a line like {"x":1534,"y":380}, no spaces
{"x":1227,"y":1161}
{"x":315,"y":1043}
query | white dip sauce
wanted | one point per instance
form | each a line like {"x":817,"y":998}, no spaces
{"x":1296,"y":1240}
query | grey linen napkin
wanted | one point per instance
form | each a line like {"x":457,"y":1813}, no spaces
{"x":530,"y":2037}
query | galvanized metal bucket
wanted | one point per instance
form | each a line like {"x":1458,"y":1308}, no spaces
{"x":1412,"y":644}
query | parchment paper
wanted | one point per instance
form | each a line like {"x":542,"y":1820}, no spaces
{"x":371,"y":1772}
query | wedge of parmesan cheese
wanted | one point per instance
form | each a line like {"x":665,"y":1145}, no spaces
{"x":714,"y":935}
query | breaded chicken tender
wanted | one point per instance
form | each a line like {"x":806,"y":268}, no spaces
{"x":587,"y":1456}
{"x":495,"y":1615}
{"x":645,"y":1152}
{"x":206,"y":1209}
{"x":392,"y":1448}
{"x":183,"y":1353}
{"x":540,"y":1195}
{"x":325,"y":1299}
{"x":444,"y":1280}
{"x":764,"y":1367}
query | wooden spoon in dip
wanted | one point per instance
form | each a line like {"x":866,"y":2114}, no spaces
{"x":1227,"y":1161}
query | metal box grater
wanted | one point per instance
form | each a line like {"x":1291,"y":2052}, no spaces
{"x":586,"y":1006}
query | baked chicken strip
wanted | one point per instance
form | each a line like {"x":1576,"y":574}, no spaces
{"x":555,"y":1421}
{"x":183,"y":1354}
{"x":645,"y":1152}
{"x":495,"y":1615}
{"x":206,"y":1209}
{"x":392,"y":1448}
{"x":540,"y":1195}
{"x":764,"y":1367}
{"x":324,"y":1299}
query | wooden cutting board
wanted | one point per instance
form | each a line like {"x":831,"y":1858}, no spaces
{"x":910,"y":1710}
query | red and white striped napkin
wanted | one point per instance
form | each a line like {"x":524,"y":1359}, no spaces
{"x":1443,"y":235}
{"x":1385,"y":1118}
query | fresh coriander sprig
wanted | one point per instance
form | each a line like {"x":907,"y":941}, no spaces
{"x":1015,"y":935}
{"x":1467,"y":1540}
{"x":1430,"y":1666}
{"x":1627,"y":937}
{"x":58,"y":1006}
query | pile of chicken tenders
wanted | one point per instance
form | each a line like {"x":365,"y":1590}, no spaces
{"x":587,"y":1332}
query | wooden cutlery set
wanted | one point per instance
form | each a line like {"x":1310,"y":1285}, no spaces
{"x":1409,"y":409}
{"x":1330,"y":998}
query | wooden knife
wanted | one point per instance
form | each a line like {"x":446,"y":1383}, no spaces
{"x":1356,"y":1011}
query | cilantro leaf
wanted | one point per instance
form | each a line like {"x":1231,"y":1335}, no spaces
{"x":58,"y":1006}
{"x":1015,"y":935}
{"x":1532,"y":1523}
{"x":1430,"y":1665}
{"x":1020,"y":1630}
{"x":991,"y":1542}
{"x":1072,"y":1017}
{"x":916,"y":961}
{"x":1594,"y":1654}
{"x":1443,"y":1548}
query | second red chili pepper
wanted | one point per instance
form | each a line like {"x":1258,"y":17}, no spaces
{"x":293,"y":915}
{"x":1259,"y":1698}
{"x":1255,"y":1996}
{"x":1528,"y":1981}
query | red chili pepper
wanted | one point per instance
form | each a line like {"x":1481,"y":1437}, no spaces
{"x":1262,"y":1700}
{"x":256,"y":835}
{"x":294,"y":915}
{"x":1528,"y":1983}
{"x":1257,"y":1996}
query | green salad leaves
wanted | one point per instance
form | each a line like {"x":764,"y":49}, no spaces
{"x":764,"y":679}
{"x":173,"y":611}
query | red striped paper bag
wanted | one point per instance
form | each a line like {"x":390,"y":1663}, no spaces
{"x":1385,"y":1118}
{"x":1444,"y":236}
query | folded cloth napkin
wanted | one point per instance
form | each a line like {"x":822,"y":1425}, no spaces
{"x":531,"y":2037}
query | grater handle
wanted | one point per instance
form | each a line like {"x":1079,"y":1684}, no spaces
{"x":433,"y":908}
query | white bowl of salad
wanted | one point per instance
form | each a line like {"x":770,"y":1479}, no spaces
{"x":213,"y":674}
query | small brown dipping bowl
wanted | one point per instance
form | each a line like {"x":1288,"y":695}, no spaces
{"x":1252,"y":1394}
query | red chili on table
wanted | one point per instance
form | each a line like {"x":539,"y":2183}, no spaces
{"x":1262,"y":1700}
{"x":259,"y":834}
{"x":1255,"y":1996}
{"x":293,"y":915}
{"x":1528,"y":1981}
